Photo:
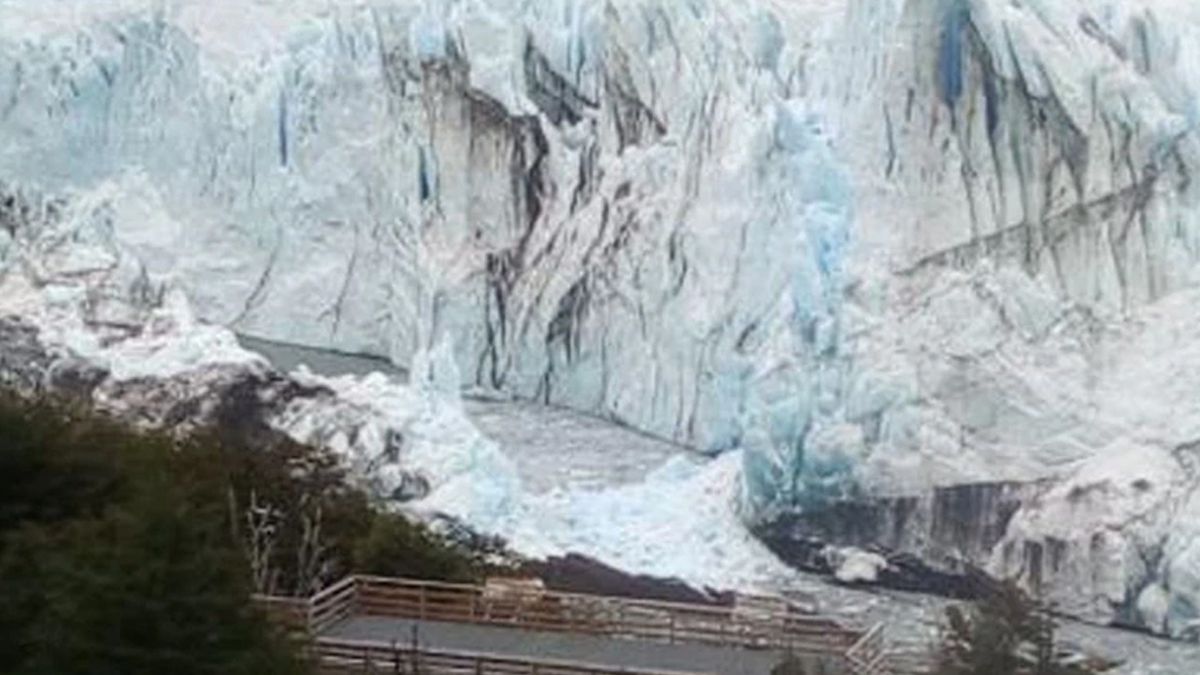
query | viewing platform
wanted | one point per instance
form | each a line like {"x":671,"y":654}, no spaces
{"x":366,"y":624}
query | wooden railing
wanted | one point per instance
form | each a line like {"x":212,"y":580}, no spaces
{"x":600,"y":615}
{"x":332,"y":604}
{"x":868,"y":656}
{"x":356,"y":656}
{"x":675,"y":623}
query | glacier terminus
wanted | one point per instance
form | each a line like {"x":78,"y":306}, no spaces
{"x":914,"y":275}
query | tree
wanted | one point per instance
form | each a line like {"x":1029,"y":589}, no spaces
{"x":130,"y":552}
{"x":149,"y":587}
{"x":115,"y":560}
{"x":1006,"y":633}
{"x":399,"y":548}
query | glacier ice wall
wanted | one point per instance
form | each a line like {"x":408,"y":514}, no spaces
{"x":81,"y":317}
{"x":877,"y":245}
{"x":579,"y":195}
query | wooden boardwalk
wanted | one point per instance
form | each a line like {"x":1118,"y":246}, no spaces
{"x":381,"y":625}
{"x":597,"y":652}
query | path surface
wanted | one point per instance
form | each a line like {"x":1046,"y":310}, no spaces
{"x":619,"y":653}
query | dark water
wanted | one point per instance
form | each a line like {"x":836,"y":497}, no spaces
{"x":287,"y":357}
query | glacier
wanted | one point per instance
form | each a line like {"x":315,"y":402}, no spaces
{"x":81,"y":317}
{"x":862,"y":250}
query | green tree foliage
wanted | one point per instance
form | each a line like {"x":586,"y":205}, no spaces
{"x":126,"y":552}
{"x":1005,"y":634}
{"x":55,"y":465}
{"x":395,"y":547}
{"x":149,"y":587}
{"x":113,"y":560}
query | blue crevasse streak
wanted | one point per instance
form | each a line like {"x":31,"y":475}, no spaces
{"x":991,"y":97}
{"x":950,"y":53}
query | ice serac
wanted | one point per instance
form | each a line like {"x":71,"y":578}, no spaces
{"x":881,"y":247}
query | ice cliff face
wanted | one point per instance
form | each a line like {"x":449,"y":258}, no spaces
{"x":82,"y":318}
{"x":880,"y":246}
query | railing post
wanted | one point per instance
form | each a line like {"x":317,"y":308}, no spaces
{"x":671,"y":631}
{"x":424,"y":593}
{"x":311,"y":621}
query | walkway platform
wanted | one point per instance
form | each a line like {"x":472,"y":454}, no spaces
{"x":545,"y":646}
{"x":380,"y":625}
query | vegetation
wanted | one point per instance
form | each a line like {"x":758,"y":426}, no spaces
{"x":127,"y":552}
{"x":1005,"y":634}
{"x":396,"y":547}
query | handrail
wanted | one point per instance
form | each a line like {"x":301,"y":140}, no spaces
{"x":333,"y":588}
{"x":868,"y":656}
{"x":332,"y":604}
{"x":617,"y":617}
{"x":692,"y":608}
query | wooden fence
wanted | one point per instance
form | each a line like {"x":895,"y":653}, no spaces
{"x":542,"y":610}
{"x":600,"y":615}
{"x":869,"y":654}
{"x":332,"y":605}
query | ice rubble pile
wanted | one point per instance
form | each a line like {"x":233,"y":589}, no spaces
{"x":876,"y":245}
